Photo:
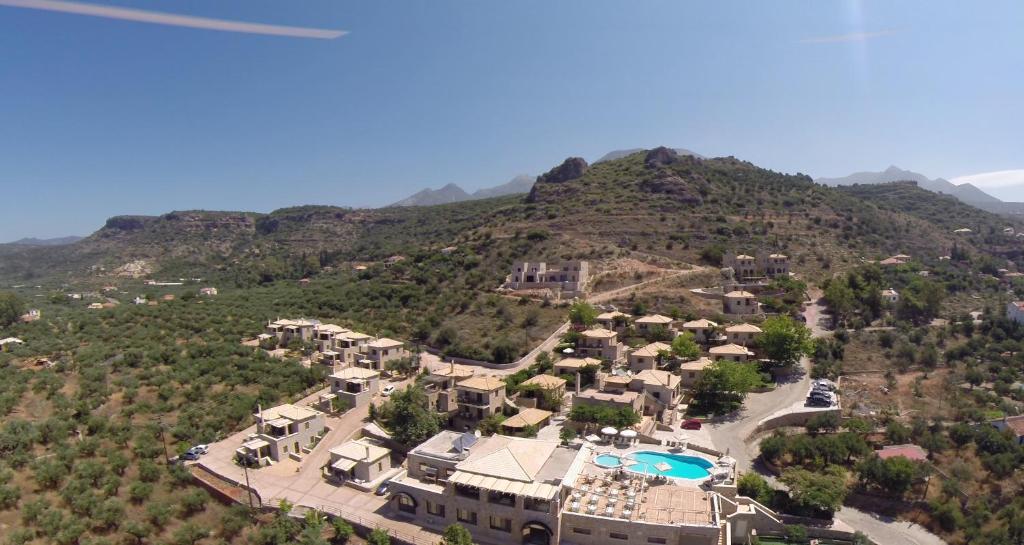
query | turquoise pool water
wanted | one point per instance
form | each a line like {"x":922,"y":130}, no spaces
{"x":608,"y":460}
{"x":645,"y":461}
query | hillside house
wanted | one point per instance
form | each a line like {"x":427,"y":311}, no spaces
{"x":537,"y":386}
{"x":565,"y":276}
{"x":732,"y":352}
{"x":355,"y":386}
{"x":283,"y":431}
{"x":742,"y":334}
{"x":614,"y":321}
{"x":8,"y":344}
{"x":741,"y":303}
{"x":526,"y":418}
{"x":1013,"y":424}
{"x":286,"y":330}
{"x":749,"y":268}
{"x":647,"y":357}
{"x":1015,"y":311}
{"x":890,"y":296}
{"x":690,"y":372}
{"x":602,"y":344}
{"x":377,"y":353}
{"x":663,"y":386}
{"x":360,"y":461}
{"x":478,"y":398}
{"x":647,"y":324}
{"x":703,"y":330}
{"x":440,"y":387}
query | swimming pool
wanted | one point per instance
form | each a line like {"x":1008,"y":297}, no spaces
{"x":645,"y":461}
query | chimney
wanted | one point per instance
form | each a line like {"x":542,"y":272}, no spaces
{"x":259,"y":410}
{"x":577,"y":383}
{"x":367,"y":452}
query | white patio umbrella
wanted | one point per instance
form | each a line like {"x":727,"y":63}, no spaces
{"x":628,"y":434}
{"x":567,"y":350}
{"x":609,"y":431}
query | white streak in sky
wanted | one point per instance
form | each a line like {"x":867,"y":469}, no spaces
{"x":170,"y":19}
{"x":1002,"y":178}
{"x":851,"y":37}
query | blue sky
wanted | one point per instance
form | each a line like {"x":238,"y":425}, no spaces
{"x":101,"y":117}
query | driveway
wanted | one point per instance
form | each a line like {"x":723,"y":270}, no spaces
{"x":887,"y":531}
{"x":733,"y":434}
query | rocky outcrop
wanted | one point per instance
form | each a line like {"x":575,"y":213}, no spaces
{"x":671,"y":185}
{"x":660,"y":156}
{"x":570,"y":169}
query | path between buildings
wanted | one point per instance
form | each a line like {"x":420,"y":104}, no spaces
{"x":597,"y":298}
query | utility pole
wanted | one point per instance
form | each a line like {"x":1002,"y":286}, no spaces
{"x":167,"y":456}
{"x":248,"y":489}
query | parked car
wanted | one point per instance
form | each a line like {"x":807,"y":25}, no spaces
{"x":818,"y":402}
{"x":189,"y":455}
{"x":824,"y":383}
{"x":691,"y":424}
{"x":200,"y":449}
{"x":387,"y":390}
{"x":383,"y":488}
{"x":822,"y":395}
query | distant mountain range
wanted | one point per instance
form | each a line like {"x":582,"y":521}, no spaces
{"x":966,"y":193}
{"x":453,"y":193}
{"x":520,"y":184}
{"x":60,"y":241}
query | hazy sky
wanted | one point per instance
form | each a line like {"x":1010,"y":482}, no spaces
{"x":103,"y":116}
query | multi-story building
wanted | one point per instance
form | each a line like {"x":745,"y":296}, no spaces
{"x":742,"y":334}
{"x":614,"y":321}
{"x":747,"y":268}
{"x":647,"y":324}
{"x":440,"y":388}
{"x":377,"y":353}
{"x":283,"y":431}
{"x":690,"y":372}
{"x":353,"y":385}
{"x":648,"y":357}
{"x":732,"y":352}
{"x":286,"y":330}
{"x":601,"y":344}
{"x":703,"y":330}
{"x":566,"y":276}
{"x":361,"y":461}
{"x":478,"y":398}
{"x":740,"y":303}
{"x":502,"y":489}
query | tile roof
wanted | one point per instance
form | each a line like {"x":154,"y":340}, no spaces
{"x":696,"y":365}
{"x":486,"y":384}
{"x":658,"y":377}
{"x":385,"y":342}
{"x":599,"y":333}
{"x":453,"y":370}
{"x":506,"y":457}
{"x":612,"y":315}
{"x":651,"y":350}
{"x":576,"y":363}
{"x":739,"y":293}
{"x":547,"y":382}
{"x":730,"y":349}
{"x":527,"y":417}
{"x":702,"y":323}
{"x":654,"y":319}
{"x":289,"y":411}
{"x":356,"y":372}
{"x":743,"y":328}
{"x":360,"y":451}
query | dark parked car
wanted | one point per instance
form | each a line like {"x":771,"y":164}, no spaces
{"x":189,"y":455}
{"x":383,"y":488}
{"x":691,"y":424}
{"x":818,"y":402}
